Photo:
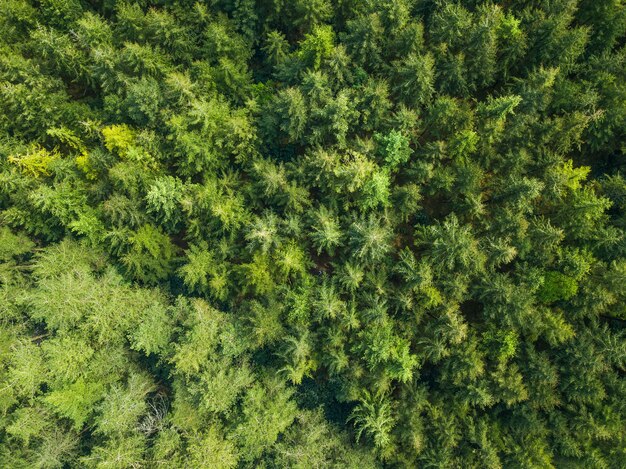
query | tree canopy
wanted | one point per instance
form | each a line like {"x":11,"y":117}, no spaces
{"x":313,"y":233}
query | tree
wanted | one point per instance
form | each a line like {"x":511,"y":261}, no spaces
{"x":374,"y":416}
{"x":450,"y":245}
{"x":149,"y":255}
{"x":267,"y":402}
{"x":326,"y":233}
{"x":290,"y":104}
{"x":371,"y":238}
{"x":313,"y":442}
{"x":414,"y":77}
{"x":276,"y":47}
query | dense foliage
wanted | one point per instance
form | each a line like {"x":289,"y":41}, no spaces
{"x":313,"y":233}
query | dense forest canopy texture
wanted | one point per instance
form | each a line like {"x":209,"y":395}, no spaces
{"x":313,"y":234}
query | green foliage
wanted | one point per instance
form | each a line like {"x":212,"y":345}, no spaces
{"x":317,"y":46}
{"x":163,"y":199}
{"x":371,"y":238}
{"x":414,"y":79}
{"x":118,"y":138}
{"x":326,"y":232}
{"x":557,"y":286}
{"x":312,"y":233}
{"x":149,"y":254}
{"x":313,"y":442}
{"x":374,"y":416}
{"x":35,"y":163}
{"x":210,"y":450}
{"x":451,"y":246}
{"x":394,"y":148}
{"x":267,"y":412}
{"x":76,"y":401}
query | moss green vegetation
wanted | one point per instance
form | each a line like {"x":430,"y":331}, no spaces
{"x":313,"y":234}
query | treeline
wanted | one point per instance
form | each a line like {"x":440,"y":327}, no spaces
{"x":313,"y":233}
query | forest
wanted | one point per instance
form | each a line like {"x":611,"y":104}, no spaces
{"x":313,"y":234}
